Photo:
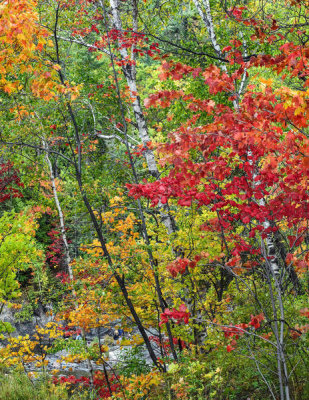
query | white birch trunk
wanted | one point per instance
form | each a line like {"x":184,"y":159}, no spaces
{"x":207,"y":18}
{"x":65,"y":241}
{"x":130,"y":75}
{"x":59,"y":209}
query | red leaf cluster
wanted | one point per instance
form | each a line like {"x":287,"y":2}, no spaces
{"x":9,"y":182}
{"x":99,"y":383}
{"x":180,"y":315}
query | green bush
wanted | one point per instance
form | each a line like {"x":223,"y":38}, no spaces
{"x":17,"y":386}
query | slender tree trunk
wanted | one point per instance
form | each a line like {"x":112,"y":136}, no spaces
{"x":129,"y":71}
{"x":165,"y":216}
{"x":65,"y":242}
{"x":59,"y":209}
{"x":78,"y":174}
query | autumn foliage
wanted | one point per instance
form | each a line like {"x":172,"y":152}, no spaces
{"x":154,"y":197}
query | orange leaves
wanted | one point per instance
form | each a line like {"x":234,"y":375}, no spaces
{"x":306,"y":162}
{"x":85,"y":317}
{"x":18,"y":31}
{"x":10,"y":87}
{"x":22,"y":39}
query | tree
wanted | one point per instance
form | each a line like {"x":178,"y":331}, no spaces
{"x":247,"y":168}
{"x":232,"y":173}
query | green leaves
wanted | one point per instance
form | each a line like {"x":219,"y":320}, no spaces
{"x":19,"y":251}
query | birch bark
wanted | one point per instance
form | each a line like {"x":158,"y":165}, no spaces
{"x":65,"y":241}
{"x":129,"y":71}
{"x":59,"y":209}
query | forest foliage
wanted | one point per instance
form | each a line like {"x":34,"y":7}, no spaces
{"x":154,"y":177}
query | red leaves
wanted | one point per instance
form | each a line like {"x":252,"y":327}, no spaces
{"x":94,"y":29}
{"x":99,"y":383}
{"x":154,"y":192}
{"x":178,"y":266}
{"x":175,"y":71}
{"x":235,"y":331}
{"x":63,"y":277}
{"x":236,"y":12}
{"x":67,"y":332}
{"x":217,"y":80}
{"x":165,"y":343}
{"x":9,"y":182}
{"x":304,"y":312}
{"x":177,"y":315}
{"x":163,"y":98}
{"x":229,"y":348}
{"x":226,"y":49}
{"x":227,"y":179}
{"x":248,"y":166}
{"x":255,"y":320}
{"x":196,"y":72}
{"x":128,"y":39}
{"x":297,"y":331}
{"x":55,"y":251}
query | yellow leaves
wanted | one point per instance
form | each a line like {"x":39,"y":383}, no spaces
{"x":299,"y":111}
{"x":139,"y":386}
{"x":116,"y":200}
{"x":50,"y":329}
{"x":71,"y":358}
{"x":294,"y":98}
{"x":21,"y":37}
{"x":40,"y":364}
{"x":287,"y":103}
{"x":125,"y":342}
{"x":23,"y":349}
{"x":55,"y":371}
{"x":123,"y":225}
{"x":137,"y":339}
{"x":32,"y":375}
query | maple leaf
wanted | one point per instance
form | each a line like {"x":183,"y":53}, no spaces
{"x":229,"y":348}
{"x":255,"y":320}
